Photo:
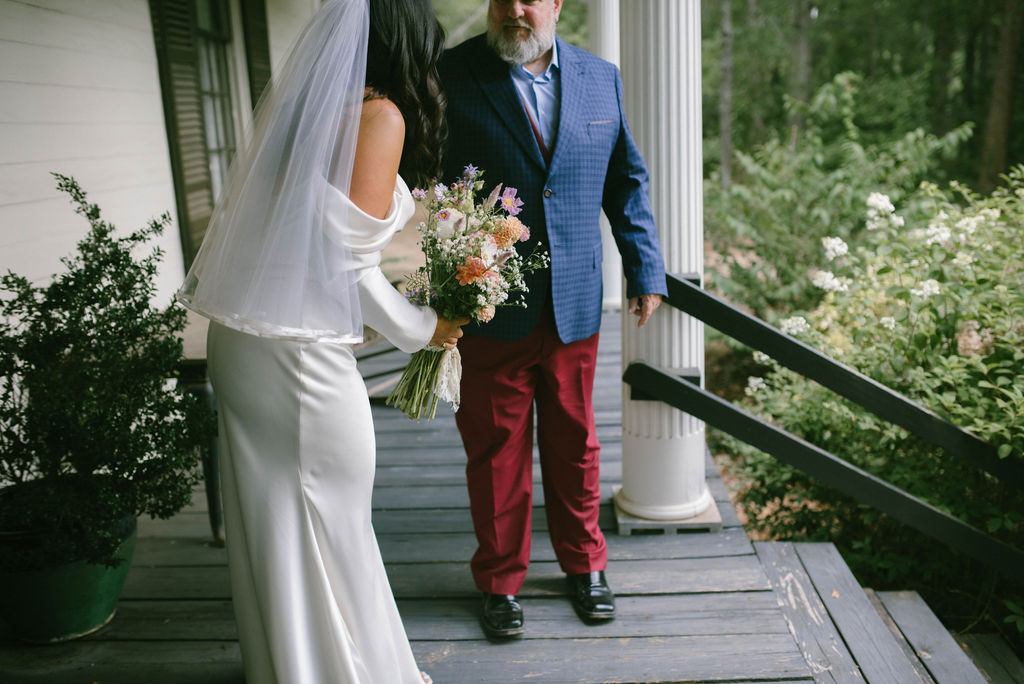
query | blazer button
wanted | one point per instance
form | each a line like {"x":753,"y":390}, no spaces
{"x":548,"y":193}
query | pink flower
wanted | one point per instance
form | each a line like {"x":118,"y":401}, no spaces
{"x":525,"y":235}
{"x":485,"y":313}
{"x":493,"y":197}
{"x":419,"y":194}
{"x":511,"y":203}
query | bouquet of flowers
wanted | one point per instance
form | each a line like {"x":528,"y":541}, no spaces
{"x":472,"y":267}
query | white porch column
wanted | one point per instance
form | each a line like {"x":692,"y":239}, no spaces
{"x":603,"y":24}
{"x":663,"y":449}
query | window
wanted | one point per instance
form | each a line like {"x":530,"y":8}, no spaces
{"x":195,"y":45}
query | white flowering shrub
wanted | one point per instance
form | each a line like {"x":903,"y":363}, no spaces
{"x":789,"y":194}
{"x":940,"y":321}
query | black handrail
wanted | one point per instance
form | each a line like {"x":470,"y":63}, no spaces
{"x":829,"y":469}
{"x":843,"y":380}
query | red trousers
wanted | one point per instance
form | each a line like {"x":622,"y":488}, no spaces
{"x":501,"y":383}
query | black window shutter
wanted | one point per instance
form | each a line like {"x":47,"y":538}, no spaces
{"x":257,"y":46}
{"x":177,"y":60}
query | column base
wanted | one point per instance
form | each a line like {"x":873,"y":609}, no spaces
{"x":708,"y":520}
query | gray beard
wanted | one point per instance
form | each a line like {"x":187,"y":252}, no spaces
{"x":519,"y":52}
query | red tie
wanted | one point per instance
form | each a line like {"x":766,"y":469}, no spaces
{"x":544,"y":151}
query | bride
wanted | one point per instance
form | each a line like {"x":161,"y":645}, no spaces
{"x":288,"y":274}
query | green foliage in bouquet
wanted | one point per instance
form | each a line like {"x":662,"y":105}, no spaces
{"x":931,"y":304}
{"x":92,"y":428}
{"x":787,"y":194}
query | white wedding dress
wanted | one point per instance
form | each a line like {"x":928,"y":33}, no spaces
{"x":310,"y":594}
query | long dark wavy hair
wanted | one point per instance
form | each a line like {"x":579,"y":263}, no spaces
{"x":405,"y":44}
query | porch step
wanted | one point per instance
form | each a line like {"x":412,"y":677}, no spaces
{"x":914,"y":624}
{"x":848,"y":634}
{"x":994,"y":658}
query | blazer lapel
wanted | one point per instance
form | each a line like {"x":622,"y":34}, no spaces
{"x":572,"y":94}
{"x":493,"y":77}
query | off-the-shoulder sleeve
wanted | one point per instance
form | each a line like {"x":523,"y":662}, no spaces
{"x":408,"y":326}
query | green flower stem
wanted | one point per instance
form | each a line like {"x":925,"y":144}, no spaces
{"x":414,"y":393}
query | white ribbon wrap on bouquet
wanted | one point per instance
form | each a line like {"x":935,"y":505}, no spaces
{"x":449,"y":378}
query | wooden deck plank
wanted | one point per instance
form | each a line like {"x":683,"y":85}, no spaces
{"x":808,"y":620}
{"x":946,"y":661}
{"x":719,"y":658}
{"x":874,"y":648}
{"x":444,"y":546}
{"x":124,"y":662}
{"x":750,"y":613}
{"x":453,"y":580}
{"x":901,"y":640}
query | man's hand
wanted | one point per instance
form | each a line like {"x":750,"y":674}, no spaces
{"x":643,"y":306}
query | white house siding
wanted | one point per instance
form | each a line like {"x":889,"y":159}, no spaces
{"x":285,"y":18}
{"x":80,"y":95}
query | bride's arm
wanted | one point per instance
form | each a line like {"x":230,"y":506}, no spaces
{"x":374,"y":173}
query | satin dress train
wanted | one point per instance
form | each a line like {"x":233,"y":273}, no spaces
{"x":311,"y":597}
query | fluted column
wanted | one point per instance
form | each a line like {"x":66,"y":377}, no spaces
{"x":603,"y":26}
{"x":663,"y":449}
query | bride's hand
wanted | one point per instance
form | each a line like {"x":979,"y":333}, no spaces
{"x":448,"y":331}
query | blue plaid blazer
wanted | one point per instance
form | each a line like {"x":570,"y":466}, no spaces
{"x":595,"y":164}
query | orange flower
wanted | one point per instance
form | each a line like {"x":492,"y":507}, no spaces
{"x":472,"y":271}
{"x":485,"y":313}
{"x":509,"y":230}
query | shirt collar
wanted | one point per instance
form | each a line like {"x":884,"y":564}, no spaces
{"x":545,"y":75}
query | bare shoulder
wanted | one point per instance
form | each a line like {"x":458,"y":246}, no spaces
{"x":382,"y":119}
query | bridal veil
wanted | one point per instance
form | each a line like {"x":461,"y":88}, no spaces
{"x":266,"y":266}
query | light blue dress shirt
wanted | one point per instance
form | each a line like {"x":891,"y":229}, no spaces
{"x":541,"y":95}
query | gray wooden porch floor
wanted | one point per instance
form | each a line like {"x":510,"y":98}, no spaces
{"x":694,"y":607}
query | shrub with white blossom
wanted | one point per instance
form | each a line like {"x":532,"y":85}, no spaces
{"x":932,"y":305}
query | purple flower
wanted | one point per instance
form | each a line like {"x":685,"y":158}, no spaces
{"x":439,"y":191}
{"x":419,"y":194}
{"x":470,"y":171}
{"x":511,"y":203}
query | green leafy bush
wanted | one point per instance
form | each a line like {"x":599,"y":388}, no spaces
{"x":92,"y":428}
{"x":930,"y":302}
{"x":799,"y":187}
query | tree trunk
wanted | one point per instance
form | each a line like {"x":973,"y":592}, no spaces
{"x":943,"y":44}
{"x":997,"y":127}
{"x":800,"y":74}
{"x":725,"y":98}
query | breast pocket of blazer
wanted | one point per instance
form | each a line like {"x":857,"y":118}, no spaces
{"x":603,"y":131}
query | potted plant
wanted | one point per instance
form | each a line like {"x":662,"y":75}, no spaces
{"x":93,"y":429}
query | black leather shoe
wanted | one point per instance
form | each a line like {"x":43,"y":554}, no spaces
{"x":502,"y":616}
{"x":591,"y":597}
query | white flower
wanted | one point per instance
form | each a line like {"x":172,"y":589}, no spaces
{"x":888,"y":322}
{"x":880,"y":203}
{"x":794,"y":325}
{"x":761,"y":358}
{"x":937,"y":233}
{"x":926,"y":289}
{"x":439,"y":191}
{"x":963,"y":259}
{"x":448,"y":220}
{"x":754,"y":384}
{"x":826,"y":280}
{"x":834,"y":247}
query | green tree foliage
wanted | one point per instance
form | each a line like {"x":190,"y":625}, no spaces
{"x":927,"y":65}
{"x":768,"y":226}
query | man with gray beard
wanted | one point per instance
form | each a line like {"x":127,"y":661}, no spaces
{"x":546,"y":118}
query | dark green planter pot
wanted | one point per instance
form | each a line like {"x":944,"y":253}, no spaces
{"x":66,"y":601}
